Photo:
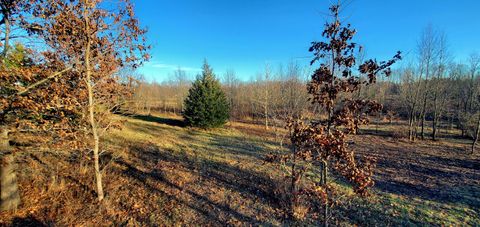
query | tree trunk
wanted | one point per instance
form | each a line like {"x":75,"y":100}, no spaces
{"x":434,"y":123}
{"x":415,"y":128}
{"x":476,"y":135}
{"x":10,"y":197}
{"x":422,"y":121}
{"x":91,"y":105}
{"x":266,"y":108}
{"x":96,"y":139}
{"x":324,"y":183}
{"x":410,"y":129}
{"x":6,"y":43}
{"x":411,"y":123}
{"x":293,"y":202}
{"x":424,"y":106}
{"x":450,"y":123}
{"x":266,"y":117}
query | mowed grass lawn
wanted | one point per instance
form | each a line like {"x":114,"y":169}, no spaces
{"x":157,"y":172}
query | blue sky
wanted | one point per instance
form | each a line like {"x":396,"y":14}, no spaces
{"x":244,"y":35}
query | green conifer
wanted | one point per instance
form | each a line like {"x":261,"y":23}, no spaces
{"x":206,"y":105}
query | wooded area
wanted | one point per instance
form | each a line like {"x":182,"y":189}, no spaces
{"x":433,"y":94}
{"x":85,"y":139}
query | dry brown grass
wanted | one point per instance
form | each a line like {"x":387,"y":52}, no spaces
{"x":160,"y":173}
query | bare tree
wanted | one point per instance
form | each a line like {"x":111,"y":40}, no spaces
{"x":410,"y":92}
{"x":230,"y":82}
{"x":426,"y":48}
{"x":439,"y":83}
{"x":474,"y":65}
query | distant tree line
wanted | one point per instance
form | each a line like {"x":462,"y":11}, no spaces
{"x":430,"y":93}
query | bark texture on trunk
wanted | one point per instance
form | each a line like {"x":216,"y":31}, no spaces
{"x":91,"y":112}
{"x":10,"y":197}
{"x":6,"y":43}
{"x":476,"y":135}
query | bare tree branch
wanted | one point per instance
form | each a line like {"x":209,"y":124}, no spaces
{"x":57,"y":74}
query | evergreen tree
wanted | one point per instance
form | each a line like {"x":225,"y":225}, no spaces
{"x":206,"y":105}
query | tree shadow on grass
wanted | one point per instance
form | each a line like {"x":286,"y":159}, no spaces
{"x":457,"y":162}
{"x":445,"y":180}
{"x":160,"y":120}
{"x":372,"y":131}
{"x":247,"y":183}
{"x":239,"y":146}
{"x":27,"y":221}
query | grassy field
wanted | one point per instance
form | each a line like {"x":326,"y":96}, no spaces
{"x":157,"y":172}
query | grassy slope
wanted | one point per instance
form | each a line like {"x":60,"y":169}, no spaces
{"x":163,"y":174}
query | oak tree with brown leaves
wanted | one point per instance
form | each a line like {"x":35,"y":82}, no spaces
{"x":98,"y":38}
{"x":321,"y":143}
{"x":75,"y":82}
{"x":36,"y":94}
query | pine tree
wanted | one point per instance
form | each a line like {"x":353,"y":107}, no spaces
{"x":206,"y":105}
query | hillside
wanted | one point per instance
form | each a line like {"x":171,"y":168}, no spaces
{"x":160,"y":173}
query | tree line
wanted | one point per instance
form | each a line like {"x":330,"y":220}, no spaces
{"x":429,"y":94}
{"x":66,"y":66}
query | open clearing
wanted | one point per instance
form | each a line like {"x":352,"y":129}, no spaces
{"x":161,"y":173}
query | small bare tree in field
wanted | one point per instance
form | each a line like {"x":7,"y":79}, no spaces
{"x":439,"y":83}
{"x":321,"y":143}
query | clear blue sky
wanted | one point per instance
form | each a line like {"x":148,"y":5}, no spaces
{"x":244,"y":35}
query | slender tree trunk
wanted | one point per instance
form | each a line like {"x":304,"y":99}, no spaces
{"x":252,"y":110}
{"x":6,"y":43}
{"x":10,"y":197}
{"x":471,"y":92}
{"x":476,"y":135}
{"x":450,"y":123}
{"x":410,"y":131}
{"x":463,"y":122}
{"x":91,"y":105}
{"x":266,"y":105}
{"x":324,"y":183}
{"x":415,"y":128}
{"x":411,"y":124}
{"x":422,"y":121}
{"x":424,"y":105}
{"x":266,"y":116}
{"x":293,"y":202}
{"x":96,"y":139}
{"x":435,"y":115}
